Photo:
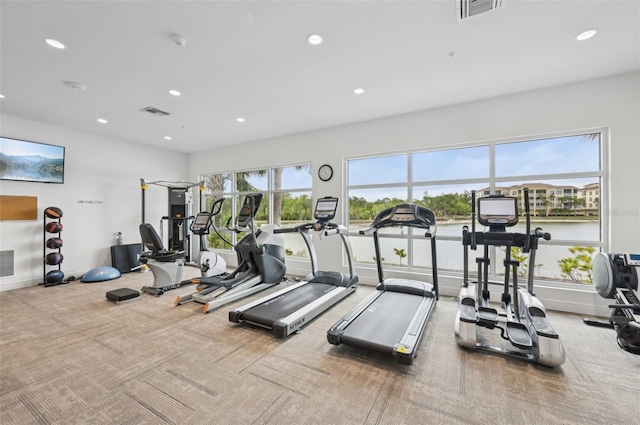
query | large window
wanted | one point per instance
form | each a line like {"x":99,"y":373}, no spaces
{"x":287,"y":201}
{"x":564,"y":175}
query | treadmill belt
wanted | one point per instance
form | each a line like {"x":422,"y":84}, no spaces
{"x":269,"y":312}
{"x":383,"y":323}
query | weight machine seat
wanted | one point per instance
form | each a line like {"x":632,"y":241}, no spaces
{"x":152,"y":241}
{"x":161,"y":257}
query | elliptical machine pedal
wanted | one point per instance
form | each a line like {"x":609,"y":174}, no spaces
{"x":519,"y":335}
{"x":487,"y":316}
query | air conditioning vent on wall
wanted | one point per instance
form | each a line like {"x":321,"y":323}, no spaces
{"x":470,"y":8}
{"x":6,"y":263}
{"x":155,"y":111}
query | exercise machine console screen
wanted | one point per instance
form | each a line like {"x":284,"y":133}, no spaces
{"x":497,"y":210}
{"x":201,"y":223}
{"x":249,"y":209}
{"x":326,"y":209}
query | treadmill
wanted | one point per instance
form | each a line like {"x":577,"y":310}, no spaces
{"x":392,"y":319}
{"x":286,"y":311}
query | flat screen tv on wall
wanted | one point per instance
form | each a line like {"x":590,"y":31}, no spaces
{"x":27,"y":161}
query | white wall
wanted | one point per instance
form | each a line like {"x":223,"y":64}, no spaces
{"x":612,"y":102}
{"x":99,"y":169}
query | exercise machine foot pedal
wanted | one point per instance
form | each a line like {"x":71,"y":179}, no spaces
{"x":487,"y":315}
{"x":595,"y":322}
{"x":543,"y":327}
{"x":123,"y":295}
{"x":519,"y":335}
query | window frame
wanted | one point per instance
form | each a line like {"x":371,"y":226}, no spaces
{"x":602,"y":175}
{"x":236,"y":195}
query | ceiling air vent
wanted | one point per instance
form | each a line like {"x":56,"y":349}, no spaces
{"x":470,"y":8}
{"x":155,"y":111}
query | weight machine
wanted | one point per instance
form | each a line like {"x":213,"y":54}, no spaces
{"x":180,"y":199}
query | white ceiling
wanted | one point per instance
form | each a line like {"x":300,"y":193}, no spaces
{"x":252,"y":60}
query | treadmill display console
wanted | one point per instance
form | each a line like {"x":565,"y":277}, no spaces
{"x":326,"y":209}
{"x":403,"y":214}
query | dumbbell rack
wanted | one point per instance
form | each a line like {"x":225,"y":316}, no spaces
{"x":46,"y":268}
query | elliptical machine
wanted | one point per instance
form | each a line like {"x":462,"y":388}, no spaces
{"x":524,"y":320}
{"x":615,"y":276}
{"x":260,"y":262}
{"x":209,"y":263}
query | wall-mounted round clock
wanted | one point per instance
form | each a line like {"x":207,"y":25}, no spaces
{"x":325,"y":172}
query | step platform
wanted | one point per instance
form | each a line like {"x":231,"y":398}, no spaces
{"x":123,"y":295}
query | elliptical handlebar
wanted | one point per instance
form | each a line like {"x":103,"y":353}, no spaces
{"x":473,"y":221}
{"x":538,"y":233}
{"x":216,"y":207}
{"x":527,"y":216}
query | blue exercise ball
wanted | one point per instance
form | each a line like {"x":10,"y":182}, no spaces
{"x":54,"y":276}
{"x":100,"y":274}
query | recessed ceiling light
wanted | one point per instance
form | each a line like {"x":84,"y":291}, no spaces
{"x":1,"y":96}
{"x":54,"y":43}
{"x":240,"y":119}
{"x":175,"y":92}
{"x":359,"y":90}
{"x":167,"y":137}
{"x":314,"y":39}
{"x":585,"y":35}
{"x":102,"y":121}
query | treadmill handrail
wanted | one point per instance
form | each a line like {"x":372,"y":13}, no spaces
{"x":368,"y":231}
{"x":304,"y":228}
{"x":297,"y":229}
{"x":337,"y":230}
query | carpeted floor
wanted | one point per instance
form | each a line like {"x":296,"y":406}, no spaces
{"x":68,"y":356}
